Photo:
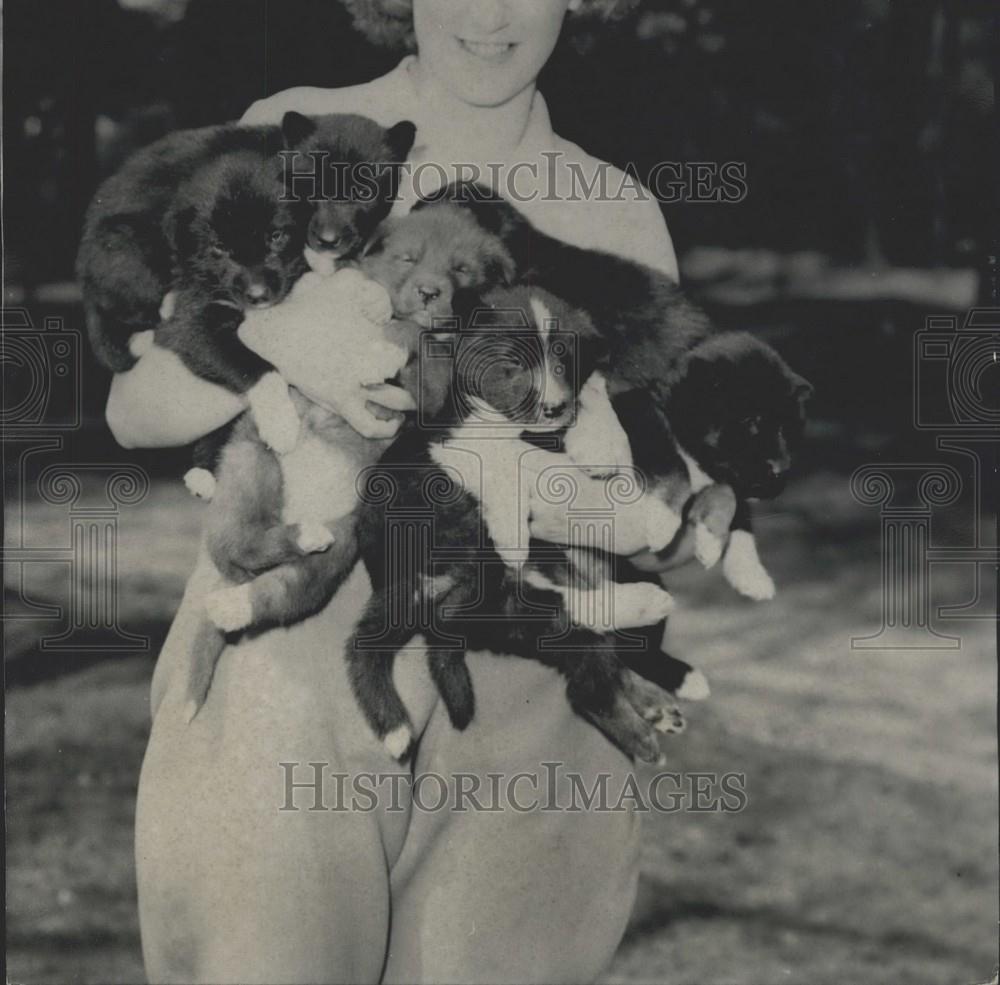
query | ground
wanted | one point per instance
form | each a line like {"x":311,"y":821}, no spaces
{"x":866,"y":852}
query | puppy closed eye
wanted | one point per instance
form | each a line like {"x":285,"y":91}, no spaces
{"x":218,"y":252}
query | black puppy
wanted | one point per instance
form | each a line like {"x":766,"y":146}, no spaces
{"x":126,"y":262}
{"x":738,"y":406}
{"x":473,"y":579}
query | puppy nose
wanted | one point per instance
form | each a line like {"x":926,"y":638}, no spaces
{"x":552,"y":411}
{"x":258,"y":293}
{"x":428,"y":293}
{"x":329,"y":238}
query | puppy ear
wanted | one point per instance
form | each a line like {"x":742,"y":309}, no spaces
{"x":802,"y":389}
{"x":375,"y":243}
{"x":499,"y":264}
{"x":296,"y":129}
{"x":400,"y":139}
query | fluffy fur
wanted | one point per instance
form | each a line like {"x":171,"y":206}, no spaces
{"x":695,"y":404}
{"x":280,"y":529}
{"x":425,"y":258}
{"x":479,"y":582}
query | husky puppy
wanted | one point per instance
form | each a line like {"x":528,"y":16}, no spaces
{"x":480,"y":583}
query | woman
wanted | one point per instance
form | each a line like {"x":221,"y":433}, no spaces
{"x":231,"y":887}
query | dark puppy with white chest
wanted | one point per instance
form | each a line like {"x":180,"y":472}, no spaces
{"x":220,"y":219}
{"x":698,"y":407}
{"x":478,"y":581}
{"x":127,"y":261}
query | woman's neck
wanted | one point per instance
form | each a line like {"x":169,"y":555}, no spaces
{"x":480,"y":131}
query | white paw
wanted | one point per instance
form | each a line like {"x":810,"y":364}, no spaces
{"x":230,"y":608}
{"x":640,"y":604}
{"x":671,"y":722}
{"x":275,"y":414}
{"x":695,"y":687}
{"x":707,"y":546}
{"x":140,"y":343}
{"x":397,"y":742}
{"x":321,"y":263}
{"x":662,"y":523}
{"x":168,"y":306}
{"x":200,"y":483}
{"x":313,"y":538}
{"x":741,"y":567}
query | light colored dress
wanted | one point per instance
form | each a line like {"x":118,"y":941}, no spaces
{"x":232,"y":888}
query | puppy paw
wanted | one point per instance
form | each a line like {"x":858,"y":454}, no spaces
{"x":694,"y":688}
{"x":200,"y":483}
{"x":313,"y":538}
{"x":708,"y":546}
{"x":741,"y":567}
{"x":662,"y":523}
{"x":640,"y":604}
{"x":399,"y":743}
{"x":141,"y":342}
{"x":275,"y":414}
{"x":672,"y":722}
{"x":653,"y":705}
{"x":320,"y":263}
{"x":374,"y":303}
{"x":168,"y":306}
{"x":231,"y":609}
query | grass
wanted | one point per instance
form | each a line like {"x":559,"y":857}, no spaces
{"x":866,"y":853}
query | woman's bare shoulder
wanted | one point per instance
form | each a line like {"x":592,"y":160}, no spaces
{"x":378,"y":99}
{"x":612,"y":210}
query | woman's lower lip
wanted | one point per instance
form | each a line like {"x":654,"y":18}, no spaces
{"x":487,"y":51}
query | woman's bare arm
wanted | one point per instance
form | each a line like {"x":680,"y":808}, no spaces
{"x":160,"y":403}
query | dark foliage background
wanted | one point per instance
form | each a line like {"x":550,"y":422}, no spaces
{"x":864,"y":124}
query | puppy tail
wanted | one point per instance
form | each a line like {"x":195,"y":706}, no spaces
{"x":206,"y":649}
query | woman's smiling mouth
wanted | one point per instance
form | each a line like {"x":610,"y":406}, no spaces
{"x":491,"y":51}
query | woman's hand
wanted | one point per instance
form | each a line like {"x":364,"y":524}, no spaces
{"x":638,"y":522}
{"x":376,"y":413}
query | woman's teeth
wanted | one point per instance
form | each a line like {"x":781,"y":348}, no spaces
{"x":486,"y":49}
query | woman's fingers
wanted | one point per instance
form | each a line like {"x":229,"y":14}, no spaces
{"x":391,"y":397}
{"x":365,"y":419}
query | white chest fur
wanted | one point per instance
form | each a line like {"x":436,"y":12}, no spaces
{"x":488,"y":464}
{"x":319,"y":481}
{"x":696,"y":476}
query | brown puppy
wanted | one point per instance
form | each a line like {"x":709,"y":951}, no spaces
{"x":423,"y":259}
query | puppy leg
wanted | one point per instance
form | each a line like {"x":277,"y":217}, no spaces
{"x":246,"y":506}
{"x":288,"y":592}
{"x":370,"y":672}
{"x":711,"y":515}
{"x":451,"y":675}
{"x":595,"y":689}
{"x":741,"y":565}
{"x":667,"y":672}
{"x":207,"y":451}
